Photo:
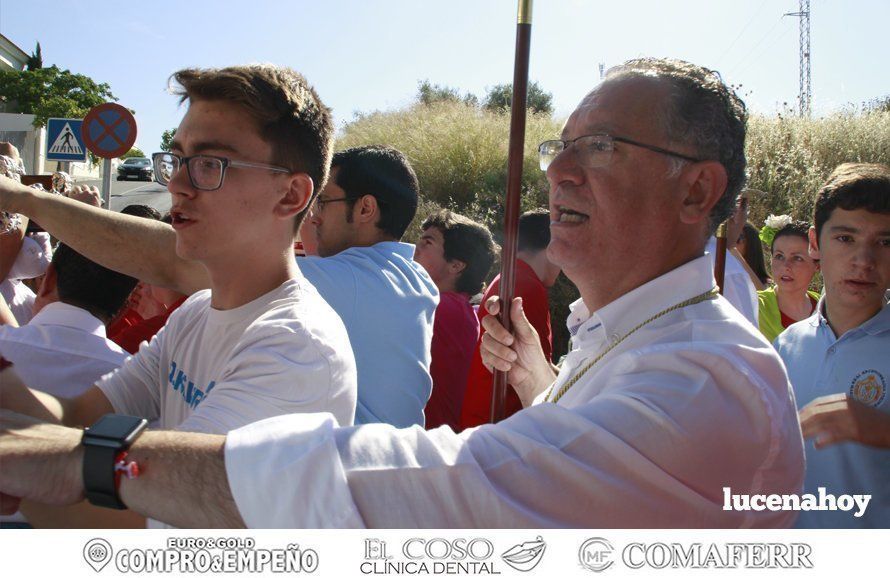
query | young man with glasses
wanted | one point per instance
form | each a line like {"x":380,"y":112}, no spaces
{"x":384,"y":298}
{"x":363,"y":270}
{"x":261,"y":342}
{"x":666,"y":399}
{"x":369,"y":277}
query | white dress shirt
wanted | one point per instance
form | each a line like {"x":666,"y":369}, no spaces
{"x":19,"y":298}
{"x":693,"y":402}
{"x":62,"y":350}
{"x":738,"y":288}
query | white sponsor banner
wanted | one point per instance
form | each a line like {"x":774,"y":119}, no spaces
{"x":508,"y":553}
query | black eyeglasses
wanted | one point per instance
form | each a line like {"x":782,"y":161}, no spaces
{"x":205,"y":172}
{"x":595,"y":150}
{"x":320,"y":202}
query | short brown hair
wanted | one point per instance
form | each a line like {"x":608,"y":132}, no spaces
{"x":289,"y":113}
{"x":853,"y":186}
{"x":468,"y":242}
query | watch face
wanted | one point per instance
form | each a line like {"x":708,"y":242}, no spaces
{"x":118,"y":427}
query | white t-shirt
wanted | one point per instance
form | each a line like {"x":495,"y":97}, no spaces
{"x":212,"y":371}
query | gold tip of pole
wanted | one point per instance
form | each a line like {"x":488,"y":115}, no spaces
{"x":721,"y":231}
{"x":525,"y":12}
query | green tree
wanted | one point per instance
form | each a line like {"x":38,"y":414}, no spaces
{"x":428,"y":94}
{"x":133,"y":152}
{"x":500,"y":97}
{"x":52,"y":92}
{"x":35,"y":61}
{"x":167,"y":140}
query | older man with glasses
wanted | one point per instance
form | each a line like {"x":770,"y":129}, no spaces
{"x":667,"y":401}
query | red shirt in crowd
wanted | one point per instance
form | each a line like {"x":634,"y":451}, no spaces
{"x":455,"y":333}
{"x":125,"y":320}
{"x":476,"y":408}
{"x":129,"y":337}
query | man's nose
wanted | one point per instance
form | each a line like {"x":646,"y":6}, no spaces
{"x":180,"y":184}
{"x":565,"y":168}
{"x":865,"y":255}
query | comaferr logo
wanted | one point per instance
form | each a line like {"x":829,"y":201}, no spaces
{"x":869,"y":387}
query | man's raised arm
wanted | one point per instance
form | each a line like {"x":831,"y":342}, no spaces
{"x":141,"y":248}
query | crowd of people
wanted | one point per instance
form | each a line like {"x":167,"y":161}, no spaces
{"x":353,"y":381}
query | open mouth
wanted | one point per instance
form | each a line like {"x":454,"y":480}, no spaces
{"x":179,"y":219}
{"x":566,"y":215}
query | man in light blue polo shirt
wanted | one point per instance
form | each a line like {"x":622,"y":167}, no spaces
{"x":370,"y":278}
{"x":838,"y":360}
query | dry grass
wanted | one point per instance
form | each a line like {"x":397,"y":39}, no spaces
{"x":789,"y":157}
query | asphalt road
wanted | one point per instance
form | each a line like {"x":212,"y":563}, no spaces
{"x":125,"y":193}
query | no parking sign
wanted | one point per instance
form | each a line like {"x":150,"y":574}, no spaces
{"x":109,"y":130}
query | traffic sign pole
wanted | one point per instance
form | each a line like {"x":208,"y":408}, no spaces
{"x":106,"y":183}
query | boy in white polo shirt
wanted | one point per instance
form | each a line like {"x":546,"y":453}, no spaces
{"x":839,"y":358}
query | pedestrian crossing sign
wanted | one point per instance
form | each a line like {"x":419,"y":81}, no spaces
{"x":64,"y":141}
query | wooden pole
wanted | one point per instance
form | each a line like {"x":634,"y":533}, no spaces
{"x":720,"y":257}
{"x":514,"y":188}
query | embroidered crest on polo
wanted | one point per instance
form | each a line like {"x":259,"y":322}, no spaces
{"x":869,"y":387}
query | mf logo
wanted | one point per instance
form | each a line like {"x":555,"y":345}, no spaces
{"x":596,"y":554}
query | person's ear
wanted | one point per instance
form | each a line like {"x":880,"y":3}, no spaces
{"x":366,"y":210}
{"x":48,"y":287}
{"x":813,"y":248}
{"x":48,"y":292}
{"x":456,"y":266}
{"x":703,"y":184}
{"x":296,"y":196}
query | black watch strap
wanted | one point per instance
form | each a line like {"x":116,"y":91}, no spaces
{"x":102,"y":442}
{"x":98,"y":477}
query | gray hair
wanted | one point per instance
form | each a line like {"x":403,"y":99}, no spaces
{"x":702,"y":112}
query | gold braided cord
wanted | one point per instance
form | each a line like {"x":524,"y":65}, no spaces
{"x":707,"y":295}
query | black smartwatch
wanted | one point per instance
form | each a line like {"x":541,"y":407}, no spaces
{"x":102,"y":442}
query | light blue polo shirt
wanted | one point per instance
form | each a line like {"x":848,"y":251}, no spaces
{"x":858,"y":364}
{"x":386,"y":301}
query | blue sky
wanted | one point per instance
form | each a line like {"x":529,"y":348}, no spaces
{"x":370,"y":55}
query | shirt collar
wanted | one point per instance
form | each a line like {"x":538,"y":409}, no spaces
{"x":620,"y":316}
{"x":877,"y":324}
{"x":406,"y":250}
{"x":65,"y":315}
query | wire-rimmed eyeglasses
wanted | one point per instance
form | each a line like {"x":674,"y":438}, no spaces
{"x":595,"y":150}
